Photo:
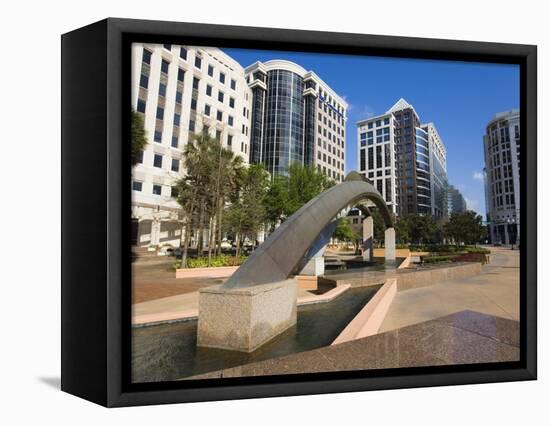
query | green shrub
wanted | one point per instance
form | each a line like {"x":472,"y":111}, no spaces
{"x":215,"y":261}
{"x":476,"y":250}
{"x":436,"y":259}
{"x":447,"y":248}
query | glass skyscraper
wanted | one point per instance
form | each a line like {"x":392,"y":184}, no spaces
{"x":296,"y":118}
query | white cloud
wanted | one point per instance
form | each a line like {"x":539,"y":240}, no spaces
{"x":477,"y":176}
{"x":365,"y":112}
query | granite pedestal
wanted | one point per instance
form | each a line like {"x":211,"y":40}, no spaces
{"x":389,"y":244}
{"x":368,"y":234}
{"x":243,"y":319}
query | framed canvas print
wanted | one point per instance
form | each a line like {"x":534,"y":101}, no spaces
{"x":254,"y":212}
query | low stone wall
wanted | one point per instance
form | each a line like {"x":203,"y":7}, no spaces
{"x":408,"y":280}
{"x":413,"y":278}
{"x":306,"y":282}
{"x":217,"y":272}
{"x":369,"y":319}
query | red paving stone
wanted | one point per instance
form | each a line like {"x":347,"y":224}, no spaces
{"x":155,"y":279}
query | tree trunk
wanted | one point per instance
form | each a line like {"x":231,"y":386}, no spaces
{"x":201,"y":230}
{"x":211,"y":235}
{"x":220,"y":221}
{"x":238,"y":247}
{"x":188,"y":231}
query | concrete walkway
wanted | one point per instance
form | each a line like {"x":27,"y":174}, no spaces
{"x":186,"y":306}
{"x":494,"y":292}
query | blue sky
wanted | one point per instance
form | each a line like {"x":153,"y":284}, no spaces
{"x":459,"y":97}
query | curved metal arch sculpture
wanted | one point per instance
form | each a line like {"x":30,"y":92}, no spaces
{"x":278,"y":256}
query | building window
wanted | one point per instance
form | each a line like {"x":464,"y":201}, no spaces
{"x":222,"y":77}
{"x":210,"y":70}
{"x":176,"y":119}
{"x":232,"y":102}
{"x":198,"y":62}
{"x":137,"y":186}
{"x":219,"y":115}
{"x":160,"y":113}
{"x":140,"y":157}
{"x":141,"y":106}
{"x":220,"y":96}
{"x":233,"y":84}
{"x":146,"y":56}
{"x":363,"y":138}
{"x":229,"y":140}
{"x":181,"y":74}
{"x":370,"y":159}
{"x":162,"y":89}
{"x":144,"y":81}
{"x":175,"y":141}
{"x":164,"y":66}
{"x":157,"y":189}
{"x":157,"y":161}
{"x":178,"y":97}
{"x":230,"y":120}
{"x":196,"y":83}
{"x":218,"y":135}
{"x":370,"y":125}
{"x":193,"y":104}
{"x":175,"y":165}
{"x":183,"y":53}
{"x":191,"y":125}
{"x":158,"y":136}
{"x":386,"y":120}
{"x":207,"y":110}
{"x":209,"y":90}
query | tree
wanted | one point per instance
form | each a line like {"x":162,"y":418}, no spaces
{"x":402,"y":231}
{"x":210,"y":175}
{"x":344,"y":232}
{"x":139,"y":138}
{"x":418,"y":229}
{"x":304,"y":183}
{"x":466,"y":227}
{"x":288,"y":192}
{"x":422,"y":228}
{"x":379,"y":226}
{"x":246,"y":214}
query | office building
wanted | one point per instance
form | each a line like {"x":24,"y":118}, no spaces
{"x":179,"y":91}
{"x":501,"y":144}
{"x":438,"y":171}
{"x":404,"y":160}
{"x":455,"y":201}
{"x":296,"y":118}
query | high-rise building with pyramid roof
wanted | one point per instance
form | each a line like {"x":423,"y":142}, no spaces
{"x":405,"y":160}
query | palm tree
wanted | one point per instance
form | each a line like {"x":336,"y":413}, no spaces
{"x":202,"y":193}
{"x":138,"y":137}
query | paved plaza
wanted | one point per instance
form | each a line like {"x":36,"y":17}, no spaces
{"x":494,"y":292}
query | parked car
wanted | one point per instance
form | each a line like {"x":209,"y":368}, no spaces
{"x":166,"y":251}
{"x":226,"y":245}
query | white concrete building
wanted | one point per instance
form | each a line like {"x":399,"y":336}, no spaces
{"x":296,"y":117}
{"x":377,"y":155}
{"x":405,"y":161}
{"x":501,"y":144}
{"x":179,"y":90}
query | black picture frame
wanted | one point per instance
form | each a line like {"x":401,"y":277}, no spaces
{"x":96,"y":211}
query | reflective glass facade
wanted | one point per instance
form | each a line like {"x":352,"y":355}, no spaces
{"x":284,"y":121}
{"x":423,"y":184}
